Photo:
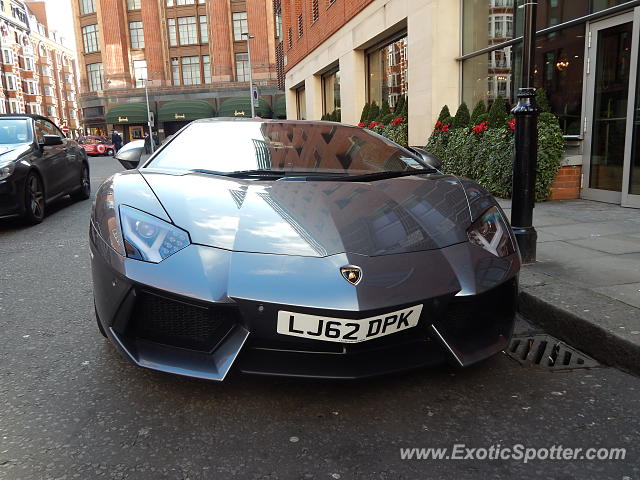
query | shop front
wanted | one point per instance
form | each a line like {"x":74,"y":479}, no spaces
{"x":175,"y":115}
{"x":241,"y":107}
{"x":129,"y":119}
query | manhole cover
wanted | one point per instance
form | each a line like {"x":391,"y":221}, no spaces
{"x":548,"y":352}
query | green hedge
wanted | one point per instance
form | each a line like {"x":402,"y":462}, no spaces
{"x":487,"y":156}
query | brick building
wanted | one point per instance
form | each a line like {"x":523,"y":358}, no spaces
{"x":192,"y":52}
{"x":38,"y":71}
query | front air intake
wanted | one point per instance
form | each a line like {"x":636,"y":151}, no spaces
{"x":180,"y":324}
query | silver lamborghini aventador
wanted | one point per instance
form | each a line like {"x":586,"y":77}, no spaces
{"x":308,"y":249}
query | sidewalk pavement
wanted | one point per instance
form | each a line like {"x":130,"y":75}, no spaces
{"x":585,"y":287}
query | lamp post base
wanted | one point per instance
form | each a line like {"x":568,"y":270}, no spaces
{"x":526,"y":238}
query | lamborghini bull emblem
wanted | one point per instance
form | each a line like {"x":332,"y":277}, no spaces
{"x":351,"y":274}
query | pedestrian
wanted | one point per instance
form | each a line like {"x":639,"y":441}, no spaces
{"x":147,"y":143}
{"x":116,"y":139}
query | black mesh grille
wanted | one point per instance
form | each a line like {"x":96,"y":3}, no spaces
{"x":180,"y":324}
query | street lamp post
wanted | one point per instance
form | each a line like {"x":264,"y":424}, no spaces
{"x":146,"y":94}
{"x":253,"y":108}
{"x":526,"y":143}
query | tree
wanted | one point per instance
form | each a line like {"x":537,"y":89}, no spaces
{"x":444,"y":114}
{"x":478,"y":110}
{"x":385,"y":110}
{"x":498,"y":113}
{"x":462,"y":118}
{"x":399,"y":105}
{"x":374,"y":112}
{"x":365,"y":113}
{"x":542,"y":100}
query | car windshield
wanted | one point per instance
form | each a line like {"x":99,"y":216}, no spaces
{"x":283,"y":147}
{"x":14,"y":130}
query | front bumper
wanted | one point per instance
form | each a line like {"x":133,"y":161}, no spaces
{"x":11,"y":196}
{"x":204,"y":311}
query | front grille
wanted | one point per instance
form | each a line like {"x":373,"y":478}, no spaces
{"x":177,"y":323}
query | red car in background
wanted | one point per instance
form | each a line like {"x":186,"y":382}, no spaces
{"x":97,"y":145}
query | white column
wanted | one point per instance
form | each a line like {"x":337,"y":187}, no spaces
{"x":352,"y":86}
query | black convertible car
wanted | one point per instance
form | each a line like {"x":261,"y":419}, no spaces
{"x":38,"y":165}
{"x":294,"y":248}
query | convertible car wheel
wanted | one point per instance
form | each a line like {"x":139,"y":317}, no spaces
{"x":304,"y":249}
{"x":84,"y":190}
{"x":34,"y":199}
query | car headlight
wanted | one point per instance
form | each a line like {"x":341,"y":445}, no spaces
{"x":491,"y":232}
{"x":6,"y":170}
{"x":149,"y":238}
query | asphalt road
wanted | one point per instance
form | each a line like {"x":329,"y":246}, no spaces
{"x":70,"y":407}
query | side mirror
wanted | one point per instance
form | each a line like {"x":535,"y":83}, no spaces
{"x":129,"y":156}
{"x":51,"y":140}
{"x":427,"y":157}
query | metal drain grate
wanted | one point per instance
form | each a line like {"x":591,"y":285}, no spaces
{"x":548,"y":352}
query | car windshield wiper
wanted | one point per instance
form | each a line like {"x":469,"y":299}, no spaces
{"x":265,"y":173}
{"x":371,"y":177}
{"x":243,"y":173}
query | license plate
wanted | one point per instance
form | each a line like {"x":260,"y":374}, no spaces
{"x":345,"y":330}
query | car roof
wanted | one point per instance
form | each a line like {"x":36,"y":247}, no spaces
{"x":25,"y":115}
{"x":272,"y":120}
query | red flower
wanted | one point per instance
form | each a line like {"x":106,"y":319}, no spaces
{"x":512,"y":124}
{"x":481,"y":127}
{"x":438,"y":124}
{"x":362,"y":124}
{"x":445,"y":128}
{"x":372,"y":125}
{"x":397,"y":121}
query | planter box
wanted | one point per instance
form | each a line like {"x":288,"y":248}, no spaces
{"x":567,"y":183}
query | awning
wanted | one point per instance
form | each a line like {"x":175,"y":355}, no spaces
{"x":280,"y":108}
{"x":185,"y":111}
{"x":241,"y":107}
{"x":127,"y":113}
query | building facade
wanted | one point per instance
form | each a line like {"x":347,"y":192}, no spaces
{"x":340,"y":54}
{"x":38,"y":71}
{"x":192,"y":56}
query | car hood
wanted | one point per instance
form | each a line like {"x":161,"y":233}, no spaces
{"x":316,"y":218}
{"x":11,"y":151}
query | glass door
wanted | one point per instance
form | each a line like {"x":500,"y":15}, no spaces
{"x":631,"y":171}
{"x":608,"y":80}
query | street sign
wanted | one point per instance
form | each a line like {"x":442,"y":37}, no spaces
{"x":152,"y":119}
{"x":255,"y":96}
{"x":65,"y":129}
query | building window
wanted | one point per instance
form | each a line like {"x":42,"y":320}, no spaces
{"x":28,"y":64}
{"x":94,"y":77}
{"x":315,"y":11}
{"x":14,"y":106}
{"x":51,"y":111}
{"x":190,"y":70}
{"x":173,"y":36}
{"x":187,"y":30}
{"x":301,"y":103}
{"x":185,"y":2}
{"x":388,"y":68}
{"x":134,"y":4}
{"x":206,"y":68}
{"x":279,"y":25}
{"x":10,"y":81}
{"x":500,"y":27}
{"x":240,"y":25}
{"x":331,"y":92}
{"x":33,"y":108}
{"x":169,"y":3}
{"x":140,"y":72}
{"x":46,"y":70}
{"x":175,"y":71}
{"x":290,"y":38}
{"x":204,"y":30}
{"x":87,"y":6}
{"x":7,"y":56}
{"x":136,"y":34}
{"x":300,"y":26}
{"x":47,"y":90}
{"x":242,"y":67}
{"x":30,"y":87}
{"x":72,"y":114}
{"x":90,"y":38}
